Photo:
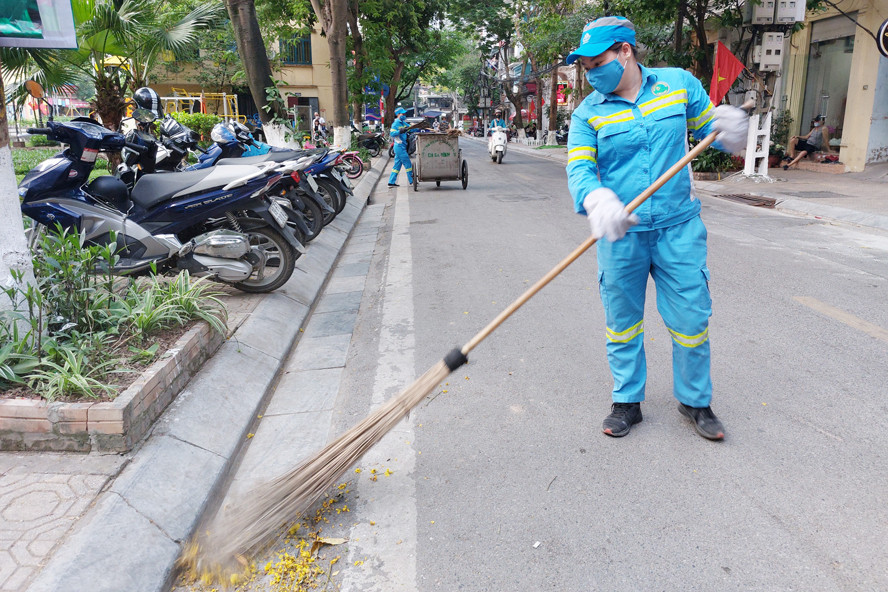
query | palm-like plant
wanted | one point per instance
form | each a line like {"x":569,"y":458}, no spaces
{"x":119,"y":42}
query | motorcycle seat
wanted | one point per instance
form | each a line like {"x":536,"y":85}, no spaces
{"x":268,"y":156}
{"x":151,"y":190}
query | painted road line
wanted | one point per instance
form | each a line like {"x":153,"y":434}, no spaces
{"x":844,"y":317}
{"x":382,"y":549}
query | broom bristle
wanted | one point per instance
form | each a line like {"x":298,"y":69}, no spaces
{"x":244,"y":526}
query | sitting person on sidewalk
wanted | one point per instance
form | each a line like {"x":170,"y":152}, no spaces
{"x":802,"y":146}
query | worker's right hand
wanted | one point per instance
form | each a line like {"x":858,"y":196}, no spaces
{"x":607,"y":214}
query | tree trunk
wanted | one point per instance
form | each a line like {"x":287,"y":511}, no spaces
{"x":251,"y":49}
{"x":14,"y":253}
{"x":553,"y":108}
{"x":390,"y":100}
{"x":333,"y":15}
{"x":700,"y":29}
{"x":679,"y":26}
{"x":358,"y":45}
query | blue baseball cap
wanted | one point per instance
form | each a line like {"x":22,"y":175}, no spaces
{"x":400,"y":110}
{"x":600,"y":34}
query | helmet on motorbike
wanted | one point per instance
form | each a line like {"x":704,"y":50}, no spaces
{"x":222,"y":135}
{"x":147,"y":98}
{"x":241,"y":132}
{"x":110,"y":190}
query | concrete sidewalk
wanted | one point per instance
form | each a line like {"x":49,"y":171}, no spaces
{"x":113,"y":523}
{"x":853,"y":198}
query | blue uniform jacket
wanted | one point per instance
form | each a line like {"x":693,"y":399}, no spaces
{"x":396,"y":134}
{"x":626,"y":146}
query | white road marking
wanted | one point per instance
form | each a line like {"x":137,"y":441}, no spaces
{"x":382,"y":556}
{"x":844,"y":317}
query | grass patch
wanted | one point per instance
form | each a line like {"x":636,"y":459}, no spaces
{"x":549,"y":147}
{"x":25,"y":159}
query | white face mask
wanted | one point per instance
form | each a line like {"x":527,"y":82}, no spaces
{"x":817,"y":125}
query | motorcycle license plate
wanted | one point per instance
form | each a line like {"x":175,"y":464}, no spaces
{"x":278,"y":213}
{"x":312,"y":182}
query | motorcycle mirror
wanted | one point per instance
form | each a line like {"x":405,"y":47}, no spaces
{"x":34,"y":89}
{"x":144,"y":116}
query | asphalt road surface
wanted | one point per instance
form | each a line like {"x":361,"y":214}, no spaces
{"x":501,"y":480}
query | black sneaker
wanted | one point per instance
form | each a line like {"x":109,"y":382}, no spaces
{"x":785,"y":168}
{"x":621,"y":419}
{"x":705,"y":421}
{"x":393,"y":185}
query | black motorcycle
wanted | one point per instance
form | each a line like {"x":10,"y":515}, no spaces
{"x":374,"y":143}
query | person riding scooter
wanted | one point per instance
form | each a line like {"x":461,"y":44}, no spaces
{"x":499,"y":138}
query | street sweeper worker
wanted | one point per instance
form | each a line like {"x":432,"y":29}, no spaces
{"x":402,"y":157}
{"x":630,"y":130}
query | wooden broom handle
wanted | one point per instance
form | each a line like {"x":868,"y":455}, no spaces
{"x":630,"y":207}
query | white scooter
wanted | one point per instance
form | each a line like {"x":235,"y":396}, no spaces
{"x":497,"y":143}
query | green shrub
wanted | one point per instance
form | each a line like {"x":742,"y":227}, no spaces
{"x":39,"y":140}
{"x":200,"y":123}
{"x":23,"y":159}
{"x":71,"y":329}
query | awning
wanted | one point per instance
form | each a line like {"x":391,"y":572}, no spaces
{"x":371,"y":117}
{"x":433,"y":114}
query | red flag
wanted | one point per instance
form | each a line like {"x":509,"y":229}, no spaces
{"x":727,"y":69}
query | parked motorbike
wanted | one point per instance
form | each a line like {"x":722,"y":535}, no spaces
{"x":561,"y":136}
{"x":497,"y":143}
{"x":374,"y":142}
{"x":306,"y":208}
{"x":219,"y":222}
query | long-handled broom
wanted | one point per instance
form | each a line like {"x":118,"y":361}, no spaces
{"x":245,"y":528}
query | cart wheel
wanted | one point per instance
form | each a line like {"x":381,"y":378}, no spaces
{"x":437,"y":183}
{"x":464,"y":173}
{"x":415,"y":182}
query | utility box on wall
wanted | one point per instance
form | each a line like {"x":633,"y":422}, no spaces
{"x":790,"y":11}
{"x":759,"y":14}
{"x":769,"y":55}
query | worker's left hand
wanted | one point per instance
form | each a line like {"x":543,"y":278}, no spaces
{"x":733,"y":126}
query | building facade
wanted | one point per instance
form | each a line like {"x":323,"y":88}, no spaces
{"x":833,"y":68}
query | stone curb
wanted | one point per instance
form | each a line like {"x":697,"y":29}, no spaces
{"x":132,"y":536}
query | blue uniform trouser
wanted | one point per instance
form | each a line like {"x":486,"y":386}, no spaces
{"x":401,"y":158}
{"x":676,"y":258}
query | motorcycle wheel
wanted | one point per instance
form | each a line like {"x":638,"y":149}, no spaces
{"x":280,"y":263}
{"x":499,"y":158}
{"x":341,"y":194}
{"x":374,"y":148}
{"x":392,"y":151}
{"x":328,"y":192}
{"x":311,"y":212}
{"x":356,"y":166}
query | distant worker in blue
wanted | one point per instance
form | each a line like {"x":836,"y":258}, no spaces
{"x":402,"y":158}
{"x":623,"y":136}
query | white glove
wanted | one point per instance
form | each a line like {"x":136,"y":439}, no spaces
{"x":733,"y":126}
{"x":607,"y":214}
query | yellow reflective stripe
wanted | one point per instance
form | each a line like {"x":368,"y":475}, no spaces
{"x":627,"y":335}
{"x":598,"y":122}
{"x":395,"y":170}
{"x":690,"y":340}
{"x":680,"y":91}
{"x":406,"y":170}
{"x":676,"y":101}
{"x":581,"y":153}
{"x":589,"y":149}
{"x":695,"y":122}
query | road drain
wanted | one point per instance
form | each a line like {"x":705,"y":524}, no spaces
{"x":752,"y":200}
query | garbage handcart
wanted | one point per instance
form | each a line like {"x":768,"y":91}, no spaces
{"x":439,"y":158}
